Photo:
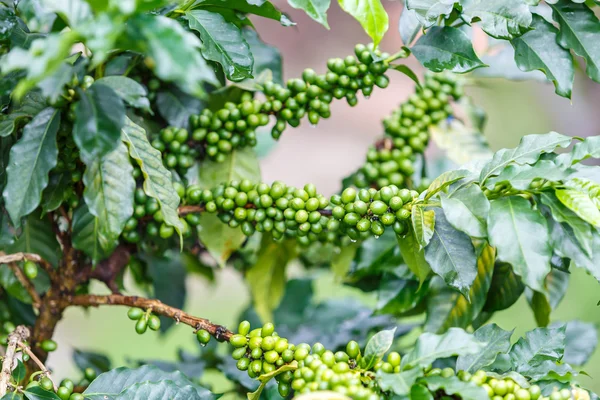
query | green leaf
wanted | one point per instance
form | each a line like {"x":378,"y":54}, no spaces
{"x":111,"y":385}
{"x":581,"y":204}
{"x":128,"y":90}
{"x":502,"y":20}
{"x":538,"y":345}
{"x":520,"y":177}
{"x":37,"y":393}
{"x":86,"y":359}
{"x":222,"y":42}
{"x":446,"y":48}
{"x":451,"y":255}
{"x":427,"y":12}
{"x":18,"y":374}
{"x":462,"y":144}
{"x":414,"y":256}
{"x":580,"y":342}
{"x":316,"y":9}
{"x":265,"y":378}
{"x":420,"y":392}
{"x":467,"y":209}
{"x":38,"y":237}
{"x":220,"y":240}
{"x":505,"y":290}
{"x":446,"y":308}
{"x":521,"y":237}
{"x":109,"y":188}
{"x":376,"y":347}
{"x":265,"y":57}
{"x":396,"y":296}
{"x":542,"y":305}
{"x":163,"y":389}
{"x":502,"y":65}
{"x":430,"y":347}
{"x":100,"y":115}
{"x":536,"y":50}
{"x":56,"y":192}
{"x":158,"y":181}
{"x":399,"y":383}
{"x":579,"y":28}
{"x":176,"y":107}
{"x":342,"y":261}
{"x":529,"y":150}
{"x":31,"y":159}
{"x":443,"y":181}
{"x":181,"y":63}
{"x":409,"y":25}
{"x":498,"y":342}
{"x":73,"y":12}
{"x":12,"y":286}
{"x":370,"y":14}
{"x":267,"y":277}
{"x":453,"y":385}
{"x":423,"y":223}
{"x":86,"y":233}
{"x":589,"y":148}
{"x":239,"y":164}
{"x":31,"y":104}
{"x":406,"y":70}
{"x":257,"y":7}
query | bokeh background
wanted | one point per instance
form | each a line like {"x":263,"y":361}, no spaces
{"x":327,"y":153}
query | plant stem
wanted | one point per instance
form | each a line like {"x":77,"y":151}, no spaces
{"x":35,"y":297}
{"x":11,"y":258}
{"x":37,"y":361}
{"x":403,"y":53}
{"x":20,"y":334}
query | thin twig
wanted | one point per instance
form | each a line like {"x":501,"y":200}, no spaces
{"x":11,"y":258}
{"x":20,"y":334}
{"x":35,"y":296}
{"x":88,"y":300}
{"x":38,"y":362}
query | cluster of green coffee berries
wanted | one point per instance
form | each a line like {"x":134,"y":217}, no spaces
{"x":391,"y":160}
{"x":145,"y":320}
{"x":176,"y":152}
{"x":65,"y":390}
{"x":233,"y":126}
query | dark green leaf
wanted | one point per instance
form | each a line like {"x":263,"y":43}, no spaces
{"x":18,"y":374}
{"x":260,"y":8}
{"x":579,"y":28}
{"x":31,"y":104}
{"x":37,"y":393}
{"x":163,"y":389}
{"x":31,"y":159}
{"x":109,"y":187}
{"x":427,"y":12}
{"x":409,"y":26}
{"x":176,"y":107}
{"x":265,"y":57}
{"x":57,"y":191}
{"x":529,"y":150}
{"x":538,"y":345}
{"x":12,"y":286}
{"x":536,"y":50}
{"x":453,"y":385}
{"x":399,"y":383}
{"x":267,"y":276}
{"x":158,"y":181}
{"x":181,"y":63}
{"x":420,"y":392}
{"x":446,"y":48}
{"x":423,"y":223}
{"x":128,"y":90}
{"x":376,"y":347}
{"x":505,"y":290}
{"x":100,"y":115}
{"x":521,"y":237}
{"x":86,"y":233}
{"x":222,"y":42}
{"x":316,"y":9}
{"x":446,"y":308}
{"x":408,"y":72}
{"x":220,"y":240}
{"x":86,"y":359}
{"x":37,"y":237}
{"x":498,"y":342}
{"x":451,"y":255}
{"x":8,"y":21}
{"x":430,"y":347}
{"x":240,"y":164}
{"x":370,"y":14}
{"x":542,"y":305}
{"x":396,"y":296}
{"x":502,"y":20}
{"x":414,"y":256}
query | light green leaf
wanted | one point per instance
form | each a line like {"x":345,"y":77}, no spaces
{"x":86,"y":233}
{"x":467,"y":210}
{"x":342,"y":261}
{"x":267,"y":276}
{"x":316,"y":9}
{"x":399,"y":383}
{"x":163,"y":389}
{"x":420,"y":392}
{"x":409,"y":25}
{"x":222,"y":42}
{"x":443,"y":181}
{"x":31,"y":159}
{"x":462,"y":144}
{"x":581,"y":204}
{"x":538,"y":345}
{"x":128,"y":90}
{"x":521,"y":237}
{"x":31,"y":104}
{"x":579,"y":29}
{"x":220,"y":240}
{"x":453,"y":385}
{"x":257,"y":7}
{"x":520,"y":177}
{"x":239,"y":164}
{"x":589,"y":148}
{"x":158,"y":181}
{"x":580,"y":342}
{"x":502,"y":65}
{"x":423,"y":223}
{"x":430,"y":347}
{"x":100,"y":115}
{"x":502,"y":20}
{"x":451,"y":255}
{"x":414,"y":256}
{"x":376,"y":347}
{"x":371,"y":15}
{"x":109,"y":187}
{"x":428,"y":11}
{"x":74,"y":12}
{"x":528,"y":151}
{"x":536,"y":50}
{"x":498,"y":342}
{"x":446,"y":308}
{"x":446,"y":48}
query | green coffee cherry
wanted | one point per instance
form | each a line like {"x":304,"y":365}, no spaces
{"x":135,"y":313}
{"x":203,"y":336}
{"x":48,"y":345}
{"x":30,"y":269}
{"x":154,"y":322}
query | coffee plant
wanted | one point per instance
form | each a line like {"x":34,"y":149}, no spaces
{"x":128,"y":139}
